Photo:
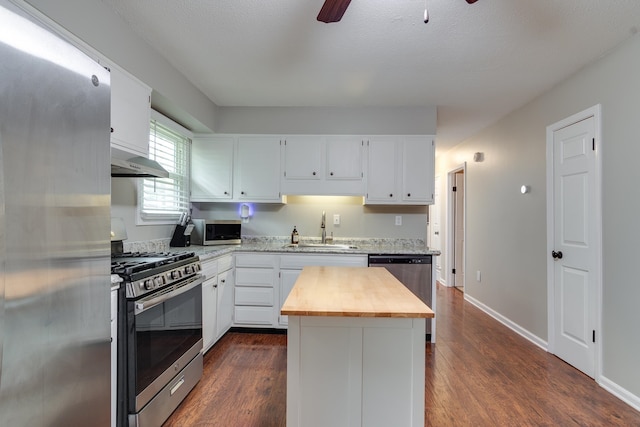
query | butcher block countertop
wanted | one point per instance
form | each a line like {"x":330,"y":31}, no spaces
{"x":352,"y":292}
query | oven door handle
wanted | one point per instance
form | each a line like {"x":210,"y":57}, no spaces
{"x":146,"y":304}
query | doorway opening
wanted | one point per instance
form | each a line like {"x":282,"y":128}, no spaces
{"x":456,"y":221}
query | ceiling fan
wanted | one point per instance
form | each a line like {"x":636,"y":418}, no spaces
{"x":332,"y":10}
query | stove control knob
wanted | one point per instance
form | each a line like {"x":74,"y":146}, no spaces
{"x":176,"y":274}
{"x":158,"y":281}
{"x":188,"y":269}
{"x":148,"y":284}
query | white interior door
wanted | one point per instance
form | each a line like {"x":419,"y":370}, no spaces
{"x":434,"y":220}
{"x":575,"y":250}
{"x":459,"y":230}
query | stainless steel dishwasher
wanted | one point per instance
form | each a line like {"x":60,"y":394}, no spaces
{"x":413,"y":271}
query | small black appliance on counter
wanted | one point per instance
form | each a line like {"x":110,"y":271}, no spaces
{"x":181,"y":236}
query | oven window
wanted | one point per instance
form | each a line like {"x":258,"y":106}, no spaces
{"x":164,"y":333}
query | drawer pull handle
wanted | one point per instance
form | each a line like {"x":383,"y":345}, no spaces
{"x":177,"y":386}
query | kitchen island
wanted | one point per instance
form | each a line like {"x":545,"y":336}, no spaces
{"x":355,"y":350}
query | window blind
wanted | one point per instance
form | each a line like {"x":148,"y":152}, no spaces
{"x":166,"y":198}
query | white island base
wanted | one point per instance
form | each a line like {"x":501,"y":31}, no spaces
{"x":355,"y":371}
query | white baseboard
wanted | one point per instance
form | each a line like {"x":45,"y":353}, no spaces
{"x":508,"y":323}
{"x":620,"y":392}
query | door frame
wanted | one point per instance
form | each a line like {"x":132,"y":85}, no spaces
{"x":594,"y":112}
{"x":451,"y":223}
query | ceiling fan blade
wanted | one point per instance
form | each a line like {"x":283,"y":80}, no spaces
{"x":332,"y":10}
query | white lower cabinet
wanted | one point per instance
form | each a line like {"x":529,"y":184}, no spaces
{"x":224,"y":311}
{"x":217,"y":299}
{"x":264,"y":280}
{"x":292,"y":265}
{"x":209,"y":312}
{"x":255,"y":290}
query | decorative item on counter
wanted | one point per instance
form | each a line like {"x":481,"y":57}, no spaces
{"x":295,"y":238}
{"x":182,"y":233}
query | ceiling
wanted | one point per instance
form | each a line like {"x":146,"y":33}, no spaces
{"x":474,"y":62}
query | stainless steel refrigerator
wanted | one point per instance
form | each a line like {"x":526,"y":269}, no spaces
{"x":54,"y":229}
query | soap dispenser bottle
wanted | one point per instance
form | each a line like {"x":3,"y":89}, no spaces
{"x":294,"y":236}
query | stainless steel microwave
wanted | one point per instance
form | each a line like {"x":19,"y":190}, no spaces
{"x":216,"y":232}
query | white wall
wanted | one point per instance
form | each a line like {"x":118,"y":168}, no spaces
{"x":305,"y":212}
{"x":328,"y":120}
{"x":104,"y":31}
{"x":506,"y":231}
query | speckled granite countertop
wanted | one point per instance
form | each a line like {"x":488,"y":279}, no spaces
{"x":280,"y":245}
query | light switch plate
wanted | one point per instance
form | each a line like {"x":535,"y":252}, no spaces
{"x":336,"y":219}
{"x":398,"y":219}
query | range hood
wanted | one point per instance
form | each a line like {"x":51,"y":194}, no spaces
{"x":137,"y":167}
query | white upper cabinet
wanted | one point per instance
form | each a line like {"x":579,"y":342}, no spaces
{"x":317,"y":165}
{"x":418,"y":170}
{"x":212,"y":169}
{"x":231,"y":168}
{"x":400,"y":170}
{"x":303,"y":158}
{"x":130,"y":113}
{"x":257,"y":169}
{"x":382,"y":163}
{"x":344,"y":158}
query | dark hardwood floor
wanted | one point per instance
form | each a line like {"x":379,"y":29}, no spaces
{"x":479,"y":373}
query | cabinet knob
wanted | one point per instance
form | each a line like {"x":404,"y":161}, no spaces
{"x":111,"y":130}
{"x":390,"y":194}
{"x":314,"y":173}
{"x":331,"y":173}
{"x":408,"y":194}
{"x":242,"y":192}
{"x":226,"y":192}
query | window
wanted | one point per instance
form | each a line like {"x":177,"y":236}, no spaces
{"x":162,"y":200}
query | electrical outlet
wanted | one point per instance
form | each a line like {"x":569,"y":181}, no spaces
{"x":478,"y":276}
{"x":336,"y":219}
{"x":398,"y":219}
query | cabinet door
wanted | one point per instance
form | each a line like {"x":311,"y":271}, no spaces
{"x":225,"y":303}
{"x":209,"y":310}
{"x":382,"y":163}
{"x":130,"y":113}
{"x":287,"y":280}
{"x":344,"y":158}
{"x":303,"y":158}
{"x":418,"y":170}
{"x":212,"y":169}
{"x":258,"y":169}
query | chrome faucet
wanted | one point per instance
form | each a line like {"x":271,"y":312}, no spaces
{"x":324,"y":229}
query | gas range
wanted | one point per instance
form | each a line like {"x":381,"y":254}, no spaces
{"x":146,"y":272}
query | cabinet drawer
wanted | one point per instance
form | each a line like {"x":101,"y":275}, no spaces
{"x":296,"y":262}
{"x":256,"y":260}
{"x":253,"y":315}
{"x":225,"y":263}
{"x":254,"y":277}
{"x":254,"y":296}
{"x":210,"y":268}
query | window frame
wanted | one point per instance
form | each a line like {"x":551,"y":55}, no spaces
{"x":163,"y":219}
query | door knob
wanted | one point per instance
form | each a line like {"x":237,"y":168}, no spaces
{"x":556,"y":255}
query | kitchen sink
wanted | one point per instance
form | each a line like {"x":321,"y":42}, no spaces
{"x":320,"y":246}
